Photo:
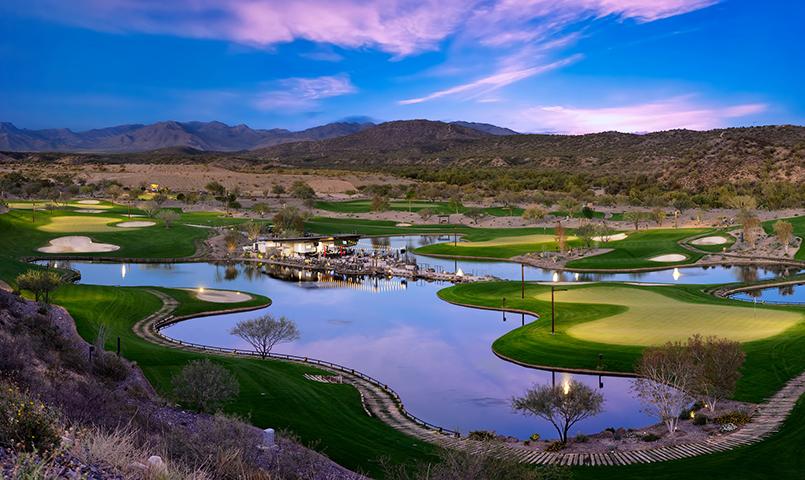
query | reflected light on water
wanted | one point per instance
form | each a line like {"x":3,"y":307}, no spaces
{"x":123,"y":270}
{"x":676,"y":274}
{"x":555,"y":277}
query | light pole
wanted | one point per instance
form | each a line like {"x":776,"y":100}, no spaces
{"x":553,"y":307}
{"x":522,"y":280}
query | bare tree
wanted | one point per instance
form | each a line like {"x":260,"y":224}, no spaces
{"x":253,"y":230}
{"x":634,"y":217}
{"x":265,"y":332}
{"x":658,"y":214}
{"x":666,"y":377}
{"x":425,"y":214}
{"x":718,"y":363}
{"x":231,"y":241}
{"x":149,"y":208}
{"x":168,"y":217}
{"x":784,"y":232}
{"x":562,"y":405}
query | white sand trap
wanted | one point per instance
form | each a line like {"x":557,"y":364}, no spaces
{"x":77,"y":244}
{"x":403,"y":225}
{"x":642,"y":284}
{"x":88,"y":210}
{"x":135,"y":224}
{"x":670,"y":257}
{"x":610,"y":238}
{"x":88,"y":202}
{"x":716,"y":240}
{"x":220,"y":296}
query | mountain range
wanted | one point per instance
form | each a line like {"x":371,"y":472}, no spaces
{"x":202,"y":136}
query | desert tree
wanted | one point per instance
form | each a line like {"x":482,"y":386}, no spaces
{"x":560,"y":234}
{"x":717,"y":363}
{"x":561,"y":405}
{"x":231,"y":241}
{"x":634,"y":217}
{"x":784,"y":232}
{"x":253,"y":230}
{"x":585,"y":233}
{"x":604,"y":232}
{"x":658,"y":214}
{"x":534,"y":214}
{"x":569,"y":206}
{"x":302,"y":190}
{"x":278,"y":190}
{"x":410,"y":195}
{"x":205,"y":385}
{"x":425,"y":214}
{"x":150,"y":208}
{"x":475,"y":213}
{"x":39,"y":282}
{"x":379,"y":203}
{"x":168,"y":217}
{"x":508,"y":200}
{"x":260,"y":208}
{"x":455,"y":203}
{"x":265,"y":332}
{"x":289,"y":221}
{"x":666,"y":376}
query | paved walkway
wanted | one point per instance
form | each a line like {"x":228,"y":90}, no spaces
{"x":386,"y":406}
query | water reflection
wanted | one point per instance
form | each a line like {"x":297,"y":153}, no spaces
{"x":793,"y":294}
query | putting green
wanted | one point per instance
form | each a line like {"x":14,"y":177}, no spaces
{"x":652,"y":318}
{"x":28,"y":205}
{"x":517,"y":240}
{"x":71,"y":224}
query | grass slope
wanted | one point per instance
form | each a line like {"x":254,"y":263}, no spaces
{"x":272,"y":393}
{"x":769,"y":363}
{"x":799,"y":230}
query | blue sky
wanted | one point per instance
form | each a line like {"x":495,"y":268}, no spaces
{"x":569,"y":66}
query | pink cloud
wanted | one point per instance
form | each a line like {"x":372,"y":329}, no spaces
{"x":666,"y":114}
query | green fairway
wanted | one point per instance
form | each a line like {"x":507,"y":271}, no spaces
{"x":83,"y":223}
{"x":272,"y":393}
{"x":770,"y":362}
{"x":650,"y":318}
{"x":440,"y":208}
{"x":636,"y":250}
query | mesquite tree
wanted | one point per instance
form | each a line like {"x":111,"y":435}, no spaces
{"x":562,"y":405}
{"x":666,"y":376}
{"x":784,"y":232}
{"x":264,"y":332}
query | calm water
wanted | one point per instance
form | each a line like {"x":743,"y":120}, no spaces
{"x":786,"y":294}
{"x":511,"y":271}
{"x":435,"y":355}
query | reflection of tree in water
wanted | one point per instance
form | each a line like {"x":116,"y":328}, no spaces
{"x":380,"y":243}
{"x":231,"y":272}
{"x":747,"y":274}
{"x":757,"y":293}
{"x":251,"y":270}
{"x":158,"y":266}
{"x":786,"y":290}
{"x":426,"y":240}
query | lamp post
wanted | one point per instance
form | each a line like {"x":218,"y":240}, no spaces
{"x":553,"y":307}
{"x":522,"y":280}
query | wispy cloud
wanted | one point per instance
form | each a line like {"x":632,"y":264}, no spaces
{"x":400,"y":27}
{"x":665,"y":114}
{"x":498,"y":80}
{"x":297,"y":94}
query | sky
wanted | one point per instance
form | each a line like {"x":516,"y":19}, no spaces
{"x":558,"y":66}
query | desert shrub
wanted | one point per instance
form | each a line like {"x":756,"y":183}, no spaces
{"x":581,"y":438}
{"x":555,"y":447}
{"x":14,"y":351}
{"x":650,"y":437}
{"x":483,"y":435}
{"x":110,"y":366}
{"x":205,"y":385}
{"x":736,"y":417}
{"x":534,"y":437}
{"x":26,"y":423}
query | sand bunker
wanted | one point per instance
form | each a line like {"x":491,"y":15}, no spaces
{"x":670,"y":257}
{"x":403,"y":225}
{"x":87,"y":210}
{"x":77,"y":244}
{"x":88,"y":202}
{"x":135,"y":224}
{"x":610,"y":238}
{"x":709,"y":241}
{"x":220,"y":296}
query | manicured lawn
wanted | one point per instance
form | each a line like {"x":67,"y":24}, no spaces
{"x":651,"y":318}
{"x":769,"y":363}
{"x":439,"y":208}
{"x":635,"y":250}
{"x":272,"y":393}
{"x":79,"y":223}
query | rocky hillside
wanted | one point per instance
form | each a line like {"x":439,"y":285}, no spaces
{"x":686,"y":157}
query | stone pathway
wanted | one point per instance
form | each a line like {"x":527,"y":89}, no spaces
{"x":387,"y":407}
